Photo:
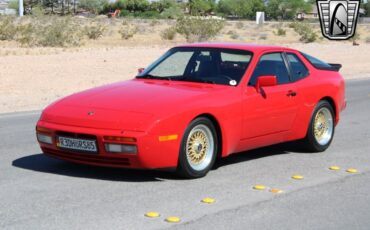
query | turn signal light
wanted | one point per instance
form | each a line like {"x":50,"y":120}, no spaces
{"x":42,"y":130}
{"x":120,"y":139}
{"x":168,"y":137}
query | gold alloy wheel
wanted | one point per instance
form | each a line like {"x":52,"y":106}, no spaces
{"x":199,"y":147}
{"x":323,"y":126}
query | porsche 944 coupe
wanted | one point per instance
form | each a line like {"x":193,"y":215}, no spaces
{"x":195,"y":104}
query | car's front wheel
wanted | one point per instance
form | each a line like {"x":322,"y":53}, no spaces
{"x":321,"y":130}
{"x":198,"y":149}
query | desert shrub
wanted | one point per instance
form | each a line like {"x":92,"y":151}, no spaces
{"x":125,"y":23}
{"x":198,"y":29}
{"x":169,"y":33}
{"x":8,"y":28}
{"x":154,"y":23}
{"x":367,"y":39}
{"x":239,"y":25}
{"x":26,"y":35}
{"x":38,"y":11}
{"x":305,"y":31}
{"x":127,"y":31}
{"x":60,"y":32}
{"x":95,"y":31}
{"x":355,"y":37}
{"x":48,"y":31}
{"x":263,"y":37}
{"x":233,"y":34}
{"x":294,"y":24}
{"x":280,"y":32}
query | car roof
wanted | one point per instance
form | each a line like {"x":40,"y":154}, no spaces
{"x":238,"y":46}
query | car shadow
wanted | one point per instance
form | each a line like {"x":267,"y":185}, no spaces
{"x":41,"y":163}
{"x":278,"y":149}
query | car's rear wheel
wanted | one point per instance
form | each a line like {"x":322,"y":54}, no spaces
{"x":198,"y":149}
{"x":321,"y":130}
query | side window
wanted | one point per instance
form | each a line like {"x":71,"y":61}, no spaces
{"x":271,"y":64}
{"x":299,"y":70}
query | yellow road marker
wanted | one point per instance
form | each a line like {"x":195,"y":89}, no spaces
{"x":297,"y":177}
{"x":351,"y":170}
{"x":334,"y":167}
{"x":259,"y":187}
{"x":152,"y":214}
{"x":173,"y":219}
{"x":208,"y":200}
{"x":276,"y":190}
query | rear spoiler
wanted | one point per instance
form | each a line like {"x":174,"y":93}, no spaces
{"x":332,"y":67}
{"x":335,"y":67}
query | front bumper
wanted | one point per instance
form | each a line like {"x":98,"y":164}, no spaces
{"x":151,"y":152}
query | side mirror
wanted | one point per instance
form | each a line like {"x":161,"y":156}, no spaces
{"x":140,"y":70}
{"x":265,"y":81}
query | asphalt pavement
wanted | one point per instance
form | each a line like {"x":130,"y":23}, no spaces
{"x":38,"y":192}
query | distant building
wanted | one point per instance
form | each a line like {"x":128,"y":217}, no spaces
{"x":313,"y":14}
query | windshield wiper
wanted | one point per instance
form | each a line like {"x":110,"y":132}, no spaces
{"x":149,"y":76}
{"x":192,"y":79}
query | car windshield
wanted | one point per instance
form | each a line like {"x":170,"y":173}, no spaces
{"x":205,"y":65}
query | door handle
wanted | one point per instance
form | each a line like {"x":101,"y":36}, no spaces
{"x":291,"y":93}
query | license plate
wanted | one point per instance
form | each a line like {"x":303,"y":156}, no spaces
{"x":77,"y":144}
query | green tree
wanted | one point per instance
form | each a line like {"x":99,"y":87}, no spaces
{"x":136,"y":5}
{"x":240,"y":8}
{"x":94,"y":6}
{"x":286,"y":9}
{"x":201,"y":7}
{"x":162,"y":5}
{"x":173,"y":12}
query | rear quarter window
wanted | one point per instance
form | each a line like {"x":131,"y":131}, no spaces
{"x":299,"y":70}
{"x":316,"y":62}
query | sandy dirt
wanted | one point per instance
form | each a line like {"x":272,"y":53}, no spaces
{"x":30,"y":81}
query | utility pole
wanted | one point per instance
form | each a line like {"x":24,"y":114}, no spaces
{"x":21,"y":9}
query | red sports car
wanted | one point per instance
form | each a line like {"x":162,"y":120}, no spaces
{"x":195,"y":104}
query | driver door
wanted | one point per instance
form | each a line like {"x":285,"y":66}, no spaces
{"x":270,"y":110}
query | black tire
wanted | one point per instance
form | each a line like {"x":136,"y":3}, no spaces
{"x":310,"y":142}
{"x":185,"y":168}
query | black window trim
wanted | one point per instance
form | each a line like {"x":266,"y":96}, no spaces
{"x":290,"y":67}
{"x":282,"y":53}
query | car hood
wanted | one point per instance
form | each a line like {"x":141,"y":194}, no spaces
{"x":131,"y":105}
